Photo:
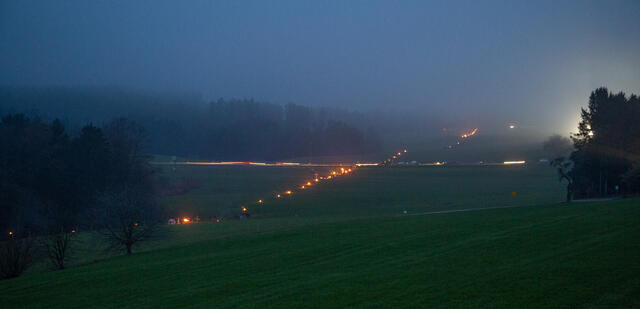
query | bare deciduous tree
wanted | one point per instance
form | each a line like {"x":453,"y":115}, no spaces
{"x":58,"y":247}
{"x":128,"y":217}
{"x":564,"y":167}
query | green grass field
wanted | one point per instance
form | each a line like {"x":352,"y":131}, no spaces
{"x":369,"y":191}
{"x":347,"y":243}
{"x":584,"y":255}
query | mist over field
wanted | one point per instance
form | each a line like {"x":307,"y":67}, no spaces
{"x":319,"y":154}
{"x":178,"y":123}
{"x":414,"y":67}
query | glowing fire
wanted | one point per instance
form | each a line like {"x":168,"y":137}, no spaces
{"x":469,"y":134}
{"x":186,"y":220}
{"x":73,"y":231}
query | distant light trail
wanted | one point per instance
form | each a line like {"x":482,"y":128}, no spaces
{"x":513,"y":162}
{"x":433,"y":164}
{"x":241,"y":163}
{"x":469,"y":134}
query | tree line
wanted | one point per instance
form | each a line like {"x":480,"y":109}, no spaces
{"x":606,"y":156}
{"x":53,"y":184}
{"x":185,"y":126}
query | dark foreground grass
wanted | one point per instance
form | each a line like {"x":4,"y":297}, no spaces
{"x":583,"y":255}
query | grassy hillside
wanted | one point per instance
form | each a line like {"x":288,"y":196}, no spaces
{"x":584,"y":255}
{"x":368,"y":192}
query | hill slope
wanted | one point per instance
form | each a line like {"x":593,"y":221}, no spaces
{"x":546,"y":256}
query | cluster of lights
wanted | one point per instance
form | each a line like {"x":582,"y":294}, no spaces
{"x":464,"y":136}
{"x":393,"y":157}
{"x":306,"y":185}
{"x":185,"y":220}
{"x":470,"y":133}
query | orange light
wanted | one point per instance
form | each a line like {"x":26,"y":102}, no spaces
{"x":368,"y":164}
{"x":328,"y":177}
{"x":185,"y":220}
{"x":288,"y":192}
{"x":405,"y":150}
{"x":217,"y":220}
{"x":513,"y":162}
{"x":259,"y":201}
{"x":136,"y":224}
{"x":10,"y":233}
{"x":308,"y":183}
{"x":333,"y":172}
{"x":244,"y":209}
{"x":399,"y":153}
{"x":73,"y":231}
{"x":302,"y":187}
{"x":469,"y":134}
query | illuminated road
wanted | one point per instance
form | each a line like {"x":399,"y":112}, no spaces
{"x":278,"y":164}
